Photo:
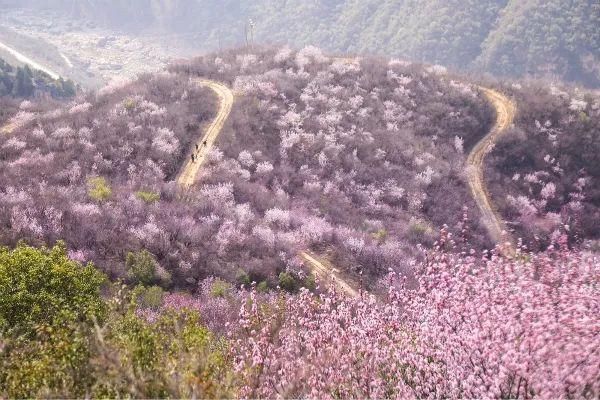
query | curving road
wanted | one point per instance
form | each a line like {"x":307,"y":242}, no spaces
{"x":9,"y":127}
{"x":26,"y":60}
{"x":505,"y":113}
{"x":325,"y":271}
{"x":186,"y":178}
{"x":188,"y":173}
{"x":6,"y":129}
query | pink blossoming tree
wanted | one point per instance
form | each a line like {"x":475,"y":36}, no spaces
{"x":472,"y":327}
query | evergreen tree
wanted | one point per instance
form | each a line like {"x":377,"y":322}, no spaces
{"x":23,"y":83}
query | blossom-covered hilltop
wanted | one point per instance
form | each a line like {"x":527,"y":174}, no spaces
{"x":365,"y":158}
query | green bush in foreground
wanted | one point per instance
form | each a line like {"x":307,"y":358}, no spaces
{"x":48,"y":304}
{"x":174,"y":356}
{"x":60,"y":338}
{"x":149,"y":297}
{"x":44,"y":287}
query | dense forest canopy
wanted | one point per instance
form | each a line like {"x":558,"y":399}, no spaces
{"x":554,"y":38}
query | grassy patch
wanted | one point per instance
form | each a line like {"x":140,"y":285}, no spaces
{"x":98,"y":189}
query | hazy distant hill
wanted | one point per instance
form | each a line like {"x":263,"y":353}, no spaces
{"x":511,"y":37}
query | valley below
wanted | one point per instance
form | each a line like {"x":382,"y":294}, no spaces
{"x":90,"y":55}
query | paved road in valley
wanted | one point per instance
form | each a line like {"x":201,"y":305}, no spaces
{"x":26,"y":60}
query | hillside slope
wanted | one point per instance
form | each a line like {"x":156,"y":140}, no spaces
{"x":294,"y":169}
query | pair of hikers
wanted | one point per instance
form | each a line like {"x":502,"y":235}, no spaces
{"x":193,"y":156}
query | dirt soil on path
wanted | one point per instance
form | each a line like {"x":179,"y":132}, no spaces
{"x":505,"y":113}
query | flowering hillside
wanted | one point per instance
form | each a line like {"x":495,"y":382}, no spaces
{"x":118,"y":282}
{"x":474,"y":328}
{"x":363,"y":159}
{"x":545,"y":173}
{"x":93,"y":172}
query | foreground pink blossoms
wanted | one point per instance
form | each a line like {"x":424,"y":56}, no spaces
{"x":524,"y":326}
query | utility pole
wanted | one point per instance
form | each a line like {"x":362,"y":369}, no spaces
{"x":249,"y":33}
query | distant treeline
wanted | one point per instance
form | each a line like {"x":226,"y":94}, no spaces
{"x":25,"y":82}
{"x":551,"y":38}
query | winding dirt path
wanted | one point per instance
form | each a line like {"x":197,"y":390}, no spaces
{"x":186,"y":178}
{"x":505,"y":113}
{"x":327,"y":272}
{"x":321,"y":267}
{"x":6,"y":129}
{"x":188,"y":174}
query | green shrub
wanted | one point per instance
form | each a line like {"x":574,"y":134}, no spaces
{"x":242,"y":278}
{"x":380,"y":235}
{"x":291,"y":283}
{"x":43,"y":286}
{"x":48,"y":306}
{"x":138,"y":358}
{"x":124,"y":355}
{"x":53,"y":363}
{"x":418,"y":229}
{"x":129,"y":104}
{"x":99,"y":189}
{"x":148,"y":197}
{"x":220,"y":288}
{"x":60,"y":339}
{"x":143,"y":268}
{"x":150,"y":297}
{"x":288,"y":282}
{"x":263,"y":287}
{"x":310,"y":282}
